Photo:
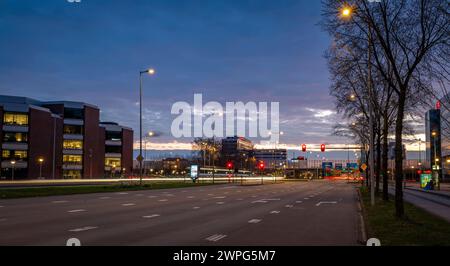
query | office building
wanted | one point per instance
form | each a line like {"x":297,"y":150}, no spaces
{"x":60,"y":139}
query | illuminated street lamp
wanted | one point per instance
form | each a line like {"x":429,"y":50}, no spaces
{"x":13,"y":164}
{"x":40,"y":161}
{"x":151,"y":72}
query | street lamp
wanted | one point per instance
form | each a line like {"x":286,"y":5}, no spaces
{"x":13,"y":164}
{"x":346,"y":13}
{"x":151,"y":72}
{"x":40,"y":161}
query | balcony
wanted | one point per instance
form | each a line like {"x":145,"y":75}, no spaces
{"x":72,"y":152}
{"x":17,"y":146}
{"x":113,"y":143}
{"x":113,"y":155}
{"x":72,"y":167}
{"x":73,"y":136}
{"x":74,"y":122}
{"x":18,"y":165}
{"x":15,"y":128}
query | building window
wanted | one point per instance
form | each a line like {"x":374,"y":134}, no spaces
{"x":113,"y":162}
{"x":114,"y":136}
{"x":72,"y":174}
{"x":15,"y":119}
{"x":14,"y":155}
{"x":113,"y":149}
{"x":73,"y":130}
{"x":6,"y":154}
{"x":74,"y":113}
{"x":15,"y":137}
{"x":73,"y":159}
{"x":73,"y":144}
{"x":20,"y":155}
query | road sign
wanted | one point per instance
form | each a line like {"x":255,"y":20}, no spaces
{"x":364,"y":167}
{"x":139,"y":158}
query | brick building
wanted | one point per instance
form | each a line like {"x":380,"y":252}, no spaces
{"x":60,"y":140}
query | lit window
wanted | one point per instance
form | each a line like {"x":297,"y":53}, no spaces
{"x":15,"y":119}
{"x":6,"y":154}
{"x":73,"y":144}
{"x":72,"y":159}
{"x":20,"y":154}
{"x":112,"y":162}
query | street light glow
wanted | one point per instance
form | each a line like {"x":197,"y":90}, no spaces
{"x":151,"y":71}
{"x":346,"y":12}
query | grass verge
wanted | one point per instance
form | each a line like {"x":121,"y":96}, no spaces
{"x":418,"y":228}
{"x":11,"y":193}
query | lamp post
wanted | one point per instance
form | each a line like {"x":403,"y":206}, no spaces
{"x":346,"y":12}
{"x":150,"y":71}
{"x":41,"y":161}
{"x":13,"y":165}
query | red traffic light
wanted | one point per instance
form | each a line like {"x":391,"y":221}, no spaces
{"x":230,"y":165}
{"x":304,"y":147}
{"x":261,"y":165}
{"x":322,"y":147}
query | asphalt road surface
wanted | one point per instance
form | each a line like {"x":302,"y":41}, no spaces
{"x":291,"y":213}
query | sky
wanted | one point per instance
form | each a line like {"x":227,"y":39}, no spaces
{"x":228,"y":50}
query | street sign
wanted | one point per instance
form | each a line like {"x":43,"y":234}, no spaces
{"x":139,"y":158}
{"x":364,"y":167}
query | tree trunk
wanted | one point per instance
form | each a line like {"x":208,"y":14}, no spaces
{"x":378,"y":159}
{"x":384,"y":166}
{"x":399,"y":208}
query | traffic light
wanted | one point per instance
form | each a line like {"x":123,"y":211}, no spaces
{"x":230,"y":165}
{"x":261,"y":165}
{"x":322,"y":147}
{"x":304,"y":147}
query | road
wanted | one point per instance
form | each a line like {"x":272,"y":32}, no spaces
{"x":291,"y":213}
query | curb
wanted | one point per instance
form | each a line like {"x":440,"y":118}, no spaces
{"x":362,"y":224}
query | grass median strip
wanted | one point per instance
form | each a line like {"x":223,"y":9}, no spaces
{"x":418,"y":228}
{"x":11,"y":193}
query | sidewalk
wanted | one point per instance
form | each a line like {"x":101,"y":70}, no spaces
{"x":444,"y":190}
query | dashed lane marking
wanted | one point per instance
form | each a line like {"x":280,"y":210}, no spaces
{"x":59,"y":201}
{"x":274,"y":212}
{"x":128,"y":204}
{"x":215,"y":238}
{"x":162,"y":200}
{"x":254,"y":221}
{"x":103,"y":198}
{"x":78,"y":210}
{"x":151,"y":216}
{"x":196,"y":208}
{"x":289,"y":206}
{"x":82,"y":229}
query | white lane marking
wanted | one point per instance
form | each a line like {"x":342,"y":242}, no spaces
{"x":128,"y":204}
{"x":326,"y":202}
{"x":59,"y":201}
{"x":239,"y":199}
{"x":162,"y":200}
{"x":184,"y":191}
{"x":254,"y":221}
{"x":86,"y":228}
{"x":221,"y":197}
{"x":190,"y":197}
{"x":306,"y":198}
{"x":170,"y":195}
{"x":78,"y":210}
{"x":151,"y":216}
{"x":220,"y":202}
{"x":274,"y":212}
{"x":289,"y":206}
{"x":152,"y":197}
{"x":122,"y":193}
{"x":299,"y":201}
{"x":259,"y":201}
{"x":196,"y":208}
{"x":215,"y":238}
{"x":210,"y":194}
{"x":254,"y":196}
{"x":103,"y":198}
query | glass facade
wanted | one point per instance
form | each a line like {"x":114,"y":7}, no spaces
{"x":113,"y":162}
{"x":15,"y":119}
{"x":14,"y":155}
{"x":73,"y":130}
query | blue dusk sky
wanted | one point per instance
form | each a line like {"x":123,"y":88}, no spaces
{"x":228,"y":50}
